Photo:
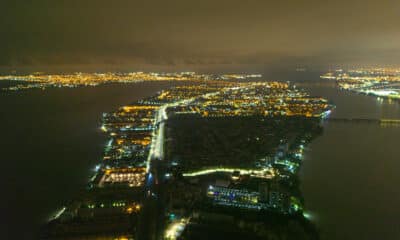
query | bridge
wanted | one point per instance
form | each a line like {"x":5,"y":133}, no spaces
{"x":382,"y":122}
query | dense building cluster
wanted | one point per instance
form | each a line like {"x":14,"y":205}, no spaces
{"x":380,"y":82}
{"x":130,"y":130}
{"x":43,"y":80}
{"x":263,"y":99}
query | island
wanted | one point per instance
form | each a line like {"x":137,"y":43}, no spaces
{"x":204,"y":161}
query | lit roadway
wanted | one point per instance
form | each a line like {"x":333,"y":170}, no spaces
{"x":157,"y":142}
{"x":158,"y":152}
{"x":151,"y":221}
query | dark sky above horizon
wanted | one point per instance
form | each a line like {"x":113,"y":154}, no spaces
{"x":185,"y":34}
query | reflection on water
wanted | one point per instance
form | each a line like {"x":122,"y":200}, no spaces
{"x":350,"y":174}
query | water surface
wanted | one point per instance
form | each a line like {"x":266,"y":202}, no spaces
{"x":350,"y":176}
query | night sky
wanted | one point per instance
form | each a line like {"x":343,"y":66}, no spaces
{"x":207,"y":34}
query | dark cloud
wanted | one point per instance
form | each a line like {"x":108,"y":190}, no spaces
{"x":190,"y":34}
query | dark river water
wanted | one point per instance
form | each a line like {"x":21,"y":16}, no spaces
{"x":50,"y":142}
{"x":350,"y":177}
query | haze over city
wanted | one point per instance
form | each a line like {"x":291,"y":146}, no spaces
{"x":201,"y":35}
{"x":214,"y":119}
